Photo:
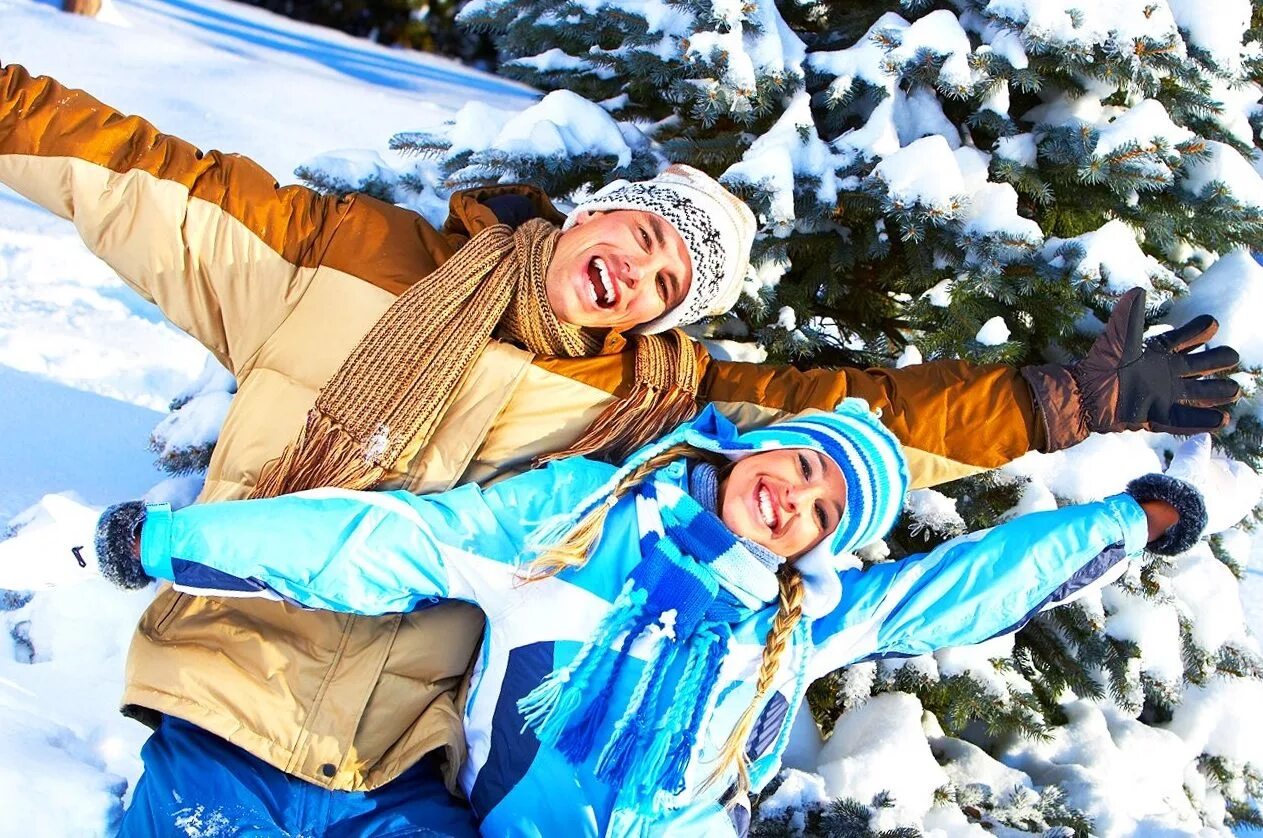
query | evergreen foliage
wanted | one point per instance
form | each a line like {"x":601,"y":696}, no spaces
{"x":920,"y":168}
{"x":428,"y":25}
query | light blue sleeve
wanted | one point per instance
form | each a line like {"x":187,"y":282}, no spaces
{"x":978,"y":586}
{"x":366,"y":552}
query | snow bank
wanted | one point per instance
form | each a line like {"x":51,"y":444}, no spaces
{"x":878,"y":747}
{"x":1112,"y":258}
{"x":1231,"y":290}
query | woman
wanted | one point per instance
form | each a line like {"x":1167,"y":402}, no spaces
{"x":652,"y":628}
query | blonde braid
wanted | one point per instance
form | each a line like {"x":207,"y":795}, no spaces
{"x":788,"y":613}
{"x":573,"y":549}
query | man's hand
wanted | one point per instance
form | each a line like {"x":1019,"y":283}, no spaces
{"x":1128,"y":383}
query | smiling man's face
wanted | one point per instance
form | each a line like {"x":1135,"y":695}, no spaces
{"x":617,"y":270}
{"x":788,"y":500}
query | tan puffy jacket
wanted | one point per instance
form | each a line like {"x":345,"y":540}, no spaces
{"x":280,"y":284}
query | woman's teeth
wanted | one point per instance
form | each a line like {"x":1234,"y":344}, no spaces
{"x":765,"y":508}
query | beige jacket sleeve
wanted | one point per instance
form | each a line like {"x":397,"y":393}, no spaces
{"x":211,"y":238}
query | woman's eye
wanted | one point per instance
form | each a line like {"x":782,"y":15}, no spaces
{"x":805,"y":466}
{"x":822,"y":517}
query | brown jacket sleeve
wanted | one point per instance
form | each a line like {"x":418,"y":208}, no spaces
{"x":211,"y":238}
{"x":953,"y":418}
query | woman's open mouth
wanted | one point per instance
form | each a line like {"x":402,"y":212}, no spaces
{"x":602,"y":287}
{"x":767,"y":510}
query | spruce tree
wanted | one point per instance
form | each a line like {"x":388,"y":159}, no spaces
{"x":975,"y":180}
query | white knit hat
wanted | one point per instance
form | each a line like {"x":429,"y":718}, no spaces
{"x":717,"y":228}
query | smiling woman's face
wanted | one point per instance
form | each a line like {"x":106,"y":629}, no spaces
{"x":787,"y":500}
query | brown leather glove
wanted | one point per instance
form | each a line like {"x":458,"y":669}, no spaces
{"x":1127,"y":383}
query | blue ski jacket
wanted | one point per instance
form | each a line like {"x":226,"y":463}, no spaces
{"x":380,"y":552}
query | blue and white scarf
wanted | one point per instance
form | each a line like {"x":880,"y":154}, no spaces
{"x":694,"y":582}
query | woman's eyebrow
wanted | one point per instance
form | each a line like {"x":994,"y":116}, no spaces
{"x":825,"y":462}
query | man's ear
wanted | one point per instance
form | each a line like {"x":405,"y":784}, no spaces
{"x":585,"y":216}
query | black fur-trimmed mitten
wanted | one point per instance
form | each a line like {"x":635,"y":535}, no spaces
{"x":1188,"y":504}
{"x":117,"y":544}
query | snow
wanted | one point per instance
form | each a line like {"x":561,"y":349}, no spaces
{"x":1083,"y":24}
{"x":1129,"y":775}
{"x":562,"y":124}
{"x":924,"y":172}
{"x":788,"y":151}
{"x":910,"y":356}
{"x":1231,"y":291}
{"x":933,"y":510}
{"x":1112,"y":257}
{"x":994,"y":332}
{"x":878,"y":747}
{"x":938,"y":32}
{"x":1224,"y":166}
{"x":1020,"y":148}
{"x":88,"y":370}
{"x":1218,"y":34}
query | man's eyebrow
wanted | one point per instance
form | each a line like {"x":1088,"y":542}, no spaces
{"x":656,"y":223}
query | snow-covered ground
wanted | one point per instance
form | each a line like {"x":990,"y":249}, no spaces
{"x":87,"y":368}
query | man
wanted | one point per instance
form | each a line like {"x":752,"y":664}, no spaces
{"x":288,"y":289}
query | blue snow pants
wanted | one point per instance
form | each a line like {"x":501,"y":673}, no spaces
{"x":195,"y":783}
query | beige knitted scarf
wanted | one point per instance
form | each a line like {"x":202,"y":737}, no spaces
{"x":399,"y":380}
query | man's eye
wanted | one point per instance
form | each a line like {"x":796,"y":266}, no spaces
{"x":663,"y":288}
{"x":644,"y":237}
{"x":805,"y":466}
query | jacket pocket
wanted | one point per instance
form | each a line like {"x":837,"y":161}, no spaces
{"x":163,"y":611}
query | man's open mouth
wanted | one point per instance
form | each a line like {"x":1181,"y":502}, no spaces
{"x":602,"y":286}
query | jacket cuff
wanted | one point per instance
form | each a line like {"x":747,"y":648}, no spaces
{"x":155,"y":541}
{"x":117,"y":533}
{"x":1057,"y":397}
{"x":1188,"y":504}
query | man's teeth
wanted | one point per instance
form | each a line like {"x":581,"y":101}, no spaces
{"x":765,"y":509}
{"x":608,"y":286}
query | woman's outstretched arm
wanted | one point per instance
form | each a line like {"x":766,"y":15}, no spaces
{"x":363,"y":552}
{"x":993,"y":582}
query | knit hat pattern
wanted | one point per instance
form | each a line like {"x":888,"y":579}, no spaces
{"x":716,"y":226}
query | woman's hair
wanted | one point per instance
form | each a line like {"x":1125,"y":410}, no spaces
{"x":573,"y":551}
{"x":789,"y":611}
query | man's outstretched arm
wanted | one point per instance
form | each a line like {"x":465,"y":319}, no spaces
{"x":956,"y":419}
{"x":211,"y":238}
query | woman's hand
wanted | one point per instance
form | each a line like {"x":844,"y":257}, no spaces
{"x":1161,"y":516}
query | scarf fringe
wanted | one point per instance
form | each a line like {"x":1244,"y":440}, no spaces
{"x":646,"y":413}
{"x":324,"y":454}
{"x":614,"y":764}
{"x":549,"y":707}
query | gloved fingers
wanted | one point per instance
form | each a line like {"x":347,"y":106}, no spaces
{"x":1219,"y":359}
{"x":1121,"y":342}
{"x":1192,"y":334}
{"x":1188,"y":419}
{"x":1208,"y":392}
